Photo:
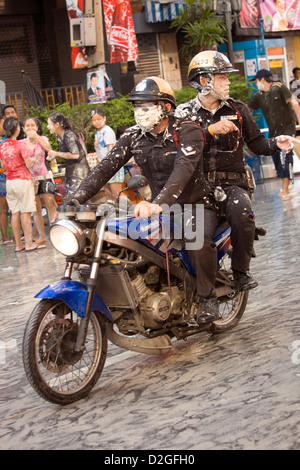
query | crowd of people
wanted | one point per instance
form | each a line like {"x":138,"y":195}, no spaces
{"x":185,"y":152}
{"x":26,"y":157}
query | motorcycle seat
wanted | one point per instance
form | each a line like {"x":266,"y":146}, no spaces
{"x":223,"y":225}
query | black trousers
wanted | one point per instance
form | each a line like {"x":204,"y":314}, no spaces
{"x":239,"y":215}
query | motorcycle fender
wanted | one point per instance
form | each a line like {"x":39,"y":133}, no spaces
{"x":75,"y":295}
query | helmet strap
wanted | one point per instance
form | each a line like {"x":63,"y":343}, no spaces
{"x":204,"y":84}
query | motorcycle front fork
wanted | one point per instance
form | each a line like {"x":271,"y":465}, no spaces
{"x":91,"y":285}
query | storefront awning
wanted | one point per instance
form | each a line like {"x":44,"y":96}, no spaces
{"x":156,"y":11}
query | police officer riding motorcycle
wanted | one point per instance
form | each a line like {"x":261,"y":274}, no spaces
{"x":136,"y":287}
{"x":228,"y":125}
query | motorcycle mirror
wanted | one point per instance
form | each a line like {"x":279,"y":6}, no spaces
{"x":137,"y":181}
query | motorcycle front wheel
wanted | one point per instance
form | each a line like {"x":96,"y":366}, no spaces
{"x":54,"y":369}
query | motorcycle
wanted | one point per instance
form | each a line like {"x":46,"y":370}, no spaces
{"x":138,"y":293}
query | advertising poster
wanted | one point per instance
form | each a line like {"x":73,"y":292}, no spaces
{"x":96,"y":87}
{"x":120,"y":32}
{"x":79,"y":58}
{"x":75,"y":8}
{"x":280,"y":15}
{"x":249,"y":15}
{"x":109,"y":91}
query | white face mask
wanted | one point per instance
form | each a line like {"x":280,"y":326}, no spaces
{"x":147,"y":115}
{"x":260,"y":86}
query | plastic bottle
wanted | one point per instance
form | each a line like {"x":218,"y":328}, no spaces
{"x":54,"y":167}
{"x":119,"y":34}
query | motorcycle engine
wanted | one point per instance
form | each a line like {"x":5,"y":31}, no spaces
{"x":157,"y":307}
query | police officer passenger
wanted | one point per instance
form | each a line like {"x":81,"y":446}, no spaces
{"x":168,"y":151}
{"x":227,"y":124}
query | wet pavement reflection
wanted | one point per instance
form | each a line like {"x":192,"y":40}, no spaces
{"x":237,"y":390}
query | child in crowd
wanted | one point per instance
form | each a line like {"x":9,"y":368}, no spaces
{"x":105,"y":139}
{"x":3,"y":203}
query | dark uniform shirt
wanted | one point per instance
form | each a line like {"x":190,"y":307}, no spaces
{"x":278,"y":113}
{"x":171,"y":161}
{"x":224,"y":153}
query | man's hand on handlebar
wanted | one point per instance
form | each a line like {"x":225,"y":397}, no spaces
{"x":71,"y":202}
{"x":146,"y":209}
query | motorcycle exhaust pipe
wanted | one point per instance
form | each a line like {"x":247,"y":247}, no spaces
{"x":152,"y":346}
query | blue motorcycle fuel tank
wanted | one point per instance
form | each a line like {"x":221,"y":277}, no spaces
{"x":152,"y":232}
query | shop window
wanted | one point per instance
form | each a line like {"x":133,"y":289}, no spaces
{"x":17,"y":44}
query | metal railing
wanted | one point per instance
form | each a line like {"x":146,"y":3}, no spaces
{"x":72,"y":95}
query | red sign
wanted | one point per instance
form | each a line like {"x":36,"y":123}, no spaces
{"x":120,"y":31}
{"x":75,"y":8}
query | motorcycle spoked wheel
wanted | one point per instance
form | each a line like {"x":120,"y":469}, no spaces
{"x":54,"y":370}
{"x":231,"y":310}
{"x":233,"y":305}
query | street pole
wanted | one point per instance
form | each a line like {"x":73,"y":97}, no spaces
{"x":98,"y":57}
{"x":227,"y":12}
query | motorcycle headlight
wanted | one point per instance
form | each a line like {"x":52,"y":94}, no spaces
{"x":67,"y":237}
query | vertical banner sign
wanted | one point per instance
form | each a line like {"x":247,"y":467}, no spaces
{"x":79,"y":58}
{"x":120,"y":32}
{"x":280,"y":15}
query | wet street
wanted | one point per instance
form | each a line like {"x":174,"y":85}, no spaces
{"x":237,"y":390}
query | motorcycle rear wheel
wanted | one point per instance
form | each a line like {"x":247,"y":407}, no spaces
{"x":231,"y":310}
{"x":54,"y":370}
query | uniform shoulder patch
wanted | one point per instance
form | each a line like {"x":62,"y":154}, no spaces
{"x":188,"y":150}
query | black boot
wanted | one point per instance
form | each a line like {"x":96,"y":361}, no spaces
{"x":208,"y":309}
{"x":244,"y":281}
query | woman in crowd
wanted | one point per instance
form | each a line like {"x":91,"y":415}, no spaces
{"x":38,"y":145}
{"x":105,"y":139}
{"x":71,"y":149}
{"x":19,"y":185}
{"x":3,"y":203}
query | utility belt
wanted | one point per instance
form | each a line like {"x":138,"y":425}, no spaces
{"x":213,"y":176}
{"x":245,"y":178}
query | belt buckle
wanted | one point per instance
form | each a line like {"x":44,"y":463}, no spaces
{"x":211,"y":176}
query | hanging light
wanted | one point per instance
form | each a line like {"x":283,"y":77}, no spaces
{"x":236,"y":5}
